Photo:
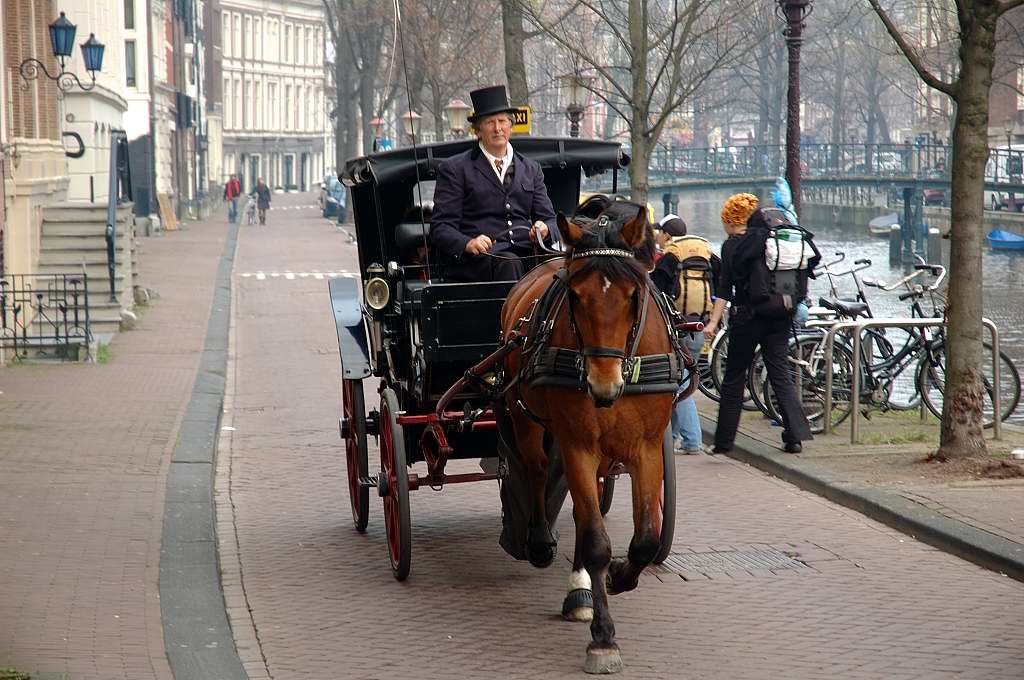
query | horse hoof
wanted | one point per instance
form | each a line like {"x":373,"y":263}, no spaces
{"x":578,"y":605}
{"x":542,"y":556}
{"x":603,"y":661}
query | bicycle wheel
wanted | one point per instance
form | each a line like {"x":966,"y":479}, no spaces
{"x":808,"y":361}
{"x":882,"y":346}
{"x":931,"y":381}
{"x":707,"y":382}
{"x":757,"y":378}
{"x":716,"y":362}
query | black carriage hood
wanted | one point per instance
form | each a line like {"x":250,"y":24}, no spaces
{"x":400,"y":165}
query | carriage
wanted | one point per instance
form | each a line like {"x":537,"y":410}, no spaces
{"x":432,"y":344}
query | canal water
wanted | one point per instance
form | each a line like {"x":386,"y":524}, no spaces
{"x":1003,"y":273}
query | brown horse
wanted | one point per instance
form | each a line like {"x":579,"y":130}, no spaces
{"x":603,"y":317}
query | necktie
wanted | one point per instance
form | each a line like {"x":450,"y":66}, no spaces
{"x":497,"y":165}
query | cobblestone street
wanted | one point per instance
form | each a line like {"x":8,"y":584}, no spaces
{"x":310,"y":598}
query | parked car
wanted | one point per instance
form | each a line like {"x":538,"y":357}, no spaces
{"x":332,"y":197}
{"x":935,"y":197}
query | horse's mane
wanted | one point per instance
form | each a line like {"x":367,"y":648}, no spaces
{"x":618,"y":212}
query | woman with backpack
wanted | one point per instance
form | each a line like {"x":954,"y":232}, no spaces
{"x":685,"y":272}
{"x":763,"y":303}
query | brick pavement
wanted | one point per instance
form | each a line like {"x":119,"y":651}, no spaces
{"x":311,"y":599}
{"x":83,"y":462}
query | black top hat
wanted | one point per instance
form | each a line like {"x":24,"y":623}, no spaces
{"x":488,"y":101}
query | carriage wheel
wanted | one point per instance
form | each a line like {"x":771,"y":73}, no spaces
{"x":395,"y":475}
{"x":354,"y":432}
{"x":667,"y":520}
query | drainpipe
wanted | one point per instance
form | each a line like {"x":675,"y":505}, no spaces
{"x":152,"y":113}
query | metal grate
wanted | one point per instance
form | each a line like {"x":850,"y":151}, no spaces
{"x":725,"y":561}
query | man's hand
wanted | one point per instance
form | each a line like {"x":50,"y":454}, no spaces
{"x":479,"y":245}
{"x":710,"y":330}
{"x":539,"y":231}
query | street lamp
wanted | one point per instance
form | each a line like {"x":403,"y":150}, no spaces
{"x":411,"y":125}
{"x":793,"y":12}
{"x":457,"y":112}
{"x":577,"y":89}
{"x":377,"y":129}
{"x":62,"y":42}
{"x":1012,"y":206}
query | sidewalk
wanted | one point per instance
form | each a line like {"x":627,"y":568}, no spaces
{"x":83,"y":466}
{"x":965,"y":512}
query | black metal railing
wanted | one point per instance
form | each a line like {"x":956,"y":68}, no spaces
{"x":45,"y":314}
{"x":120,"y":191}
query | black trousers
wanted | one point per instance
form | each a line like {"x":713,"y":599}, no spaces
{"x":505,"y":266}
{"x":745,"y":333}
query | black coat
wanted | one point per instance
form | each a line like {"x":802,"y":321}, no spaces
{"x":469,"y":201}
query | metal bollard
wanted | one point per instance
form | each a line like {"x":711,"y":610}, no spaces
{"x":934,"y":246}
{"x":895,"y":245}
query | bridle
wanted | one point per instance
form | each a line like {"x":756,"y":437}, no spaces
{"x":641,"y":300}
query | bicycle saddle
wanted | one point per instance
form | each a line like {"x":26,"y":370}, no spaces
{"x":850,"y":308}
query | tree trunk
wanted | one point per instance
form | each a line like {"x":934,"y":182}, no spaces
{"x":961,"y":433}
{"x":838,"y":103}
{"x":515,"y":63}
{"x":437,"y":99}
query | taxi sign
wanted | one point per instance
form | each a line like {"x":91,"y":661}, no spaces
{"x":521,"y":121}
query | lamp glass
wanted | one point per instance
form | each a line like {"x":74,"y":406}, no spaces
{"x":62,"y":36}
{"x":411,"y":123}
{"x":377,"y":127}
{"x":92,"y":53}
{"x":457,"y":111}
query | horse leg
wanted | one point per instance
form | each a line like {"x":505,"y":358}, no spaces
{"x":624,"y":574}
{"x":594,"y":550}
{"x":541,"y":546}
{"x":578,"y":604}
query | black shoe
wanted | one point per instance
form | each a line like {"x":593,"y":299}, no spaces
{"x":793,"y":447}
{"x":721,"y":449}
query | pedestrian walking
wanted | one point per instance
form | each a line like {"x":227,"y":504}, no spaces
{"x":771,"y":328}
{"x":262,"y":194}
{"x":685,"y":271}
{"x":232,"y":190}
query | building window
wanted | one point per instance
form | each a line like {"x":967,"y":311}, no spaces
{"x":129,"y":63}
{"x":259,"y":39}
{"x":258,"y":103}
{"x":226,"y":95}
{"x":248,"y":38}
{"x":129,"y":14}
{"x":225,"y":41}
{"x":238,"y":103}
{"x":298,"y":44}
{"x":237,"y":37}
{"x":272,"y":115}
{"x":287,"y":42}
{"x":288,"y":110}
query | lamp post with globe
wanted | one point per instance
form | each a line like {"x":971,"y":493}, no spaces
{"x":457,"y":112}
{"x":577,"y":89}
{"x":411,"y":125}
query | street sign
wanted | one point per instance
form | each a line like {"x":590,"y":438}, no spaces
{"x":521,"y":121}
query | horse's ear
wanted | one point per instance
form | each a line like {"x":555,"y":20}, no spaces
{"x":570,"y":231}
{"x":634,"y":232}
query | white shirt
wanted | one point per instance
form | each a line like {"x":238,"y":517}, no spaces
{"x":506,"y":161}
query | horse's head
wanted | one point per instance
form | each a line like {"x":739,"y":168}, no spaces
{"x":607,"y":282}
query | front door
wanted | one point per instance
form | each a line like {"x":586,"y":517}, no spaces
{"x":289,"y":171}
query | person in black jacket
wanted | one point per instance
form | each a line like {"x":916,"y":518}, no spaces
{"x":481,"y":194}
{"x":742,"y":221}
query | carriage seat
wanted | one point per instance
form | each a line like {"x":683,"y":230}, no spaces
{"x":412,"y":235}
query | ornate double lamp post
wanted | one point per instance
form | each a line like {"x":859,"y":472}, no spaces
{"x":577,"y":90}
{"x":411,"y":125}
{"x":62,"y":42}
{"x":457,"y":112}
{"x":793,"y":13}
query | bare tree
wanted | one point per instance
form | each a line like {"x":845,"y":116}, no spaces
{"x":968,"y":87}
{"x":670,"y":49}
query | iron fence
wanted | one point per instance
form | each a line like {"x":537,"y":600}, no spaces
{"x":46,"y":315}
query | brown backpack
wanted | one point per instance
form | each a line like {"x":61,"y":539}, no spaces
{"x":694,"y":255}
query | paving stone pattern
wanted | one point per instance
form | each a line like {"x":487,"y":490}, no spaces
{"x":84,"y":451}
{"x":320,"y":602}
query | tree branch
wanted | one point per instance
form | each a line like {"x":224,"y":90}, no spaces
{"x":911,"y":54}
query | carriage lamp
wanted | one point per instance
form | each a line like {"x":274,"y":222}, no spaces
{"x":457,"y":112}
{"x":376,"y":293}
{"x":411,"y":125}
{"x":62,"y":42}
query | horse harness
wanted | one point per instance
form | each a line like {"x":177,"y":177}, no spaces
{"x":546,"y":365}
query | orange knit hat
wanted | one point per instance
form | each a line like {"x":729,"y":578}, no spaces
{"x":738,"y":208}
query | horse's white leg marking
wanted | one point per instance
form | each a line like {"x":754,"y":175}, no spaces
{"x":579,"y":579}
{"x":607,"y":284}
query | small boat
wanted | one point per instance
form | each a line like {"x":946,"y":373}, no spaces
{"x":1005,"y":240}
{"x":882,"y":225}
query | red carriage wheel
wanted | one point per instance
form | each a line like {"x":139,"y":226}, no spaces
{"x":395,"y":485}
{"x":667,"y":519}
{"x":354,"y":433}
